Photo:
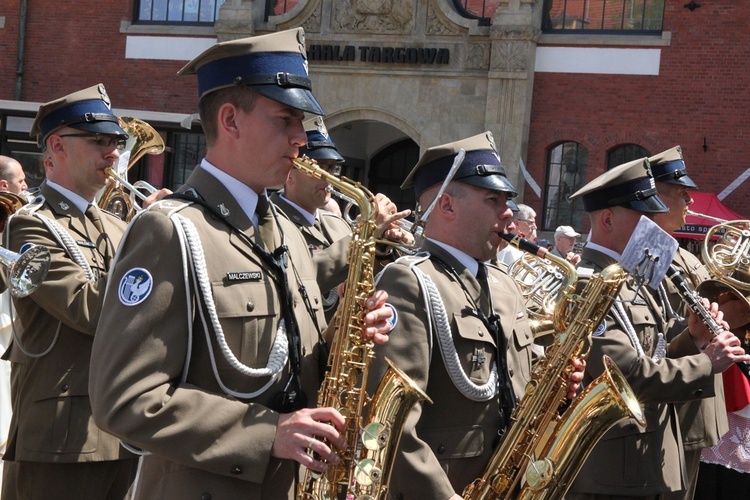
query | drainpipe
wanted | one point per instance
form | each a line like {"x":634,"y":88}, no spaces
{"x":21,"y":44}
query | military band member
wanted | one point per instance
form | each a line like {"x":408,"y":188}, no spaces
{"x":209,"y":352}
{"x":56,"y":449}
{"x":447,"y":444}
{"x":328,"y":236}
{"x":631,"y":461}
{"x":704,"y":421}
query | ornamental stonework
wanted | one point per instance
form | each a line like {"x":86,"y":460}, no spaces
{"x":509,"y":56}
{"x":436,"y":25}
{"x":374,"y":16}
{"x":477,"y":56}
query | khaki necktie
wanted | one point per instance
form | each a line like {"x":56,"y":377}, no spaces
{"x":265,"y":223}
{"x":484,"y":298}
{"x":102,"y":240}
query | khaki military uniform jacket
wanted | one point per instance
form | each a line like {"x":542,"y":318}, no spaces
{"x":630,"y":459}
{"x":447,"y":444}
{"x":702,"y":422}
{"x":52,"y":419}
{"x":155,"y":385}
{"x":329,"y":245}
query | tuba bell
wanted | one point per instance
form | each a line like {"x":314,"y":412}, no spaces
{"x":119,"y":195}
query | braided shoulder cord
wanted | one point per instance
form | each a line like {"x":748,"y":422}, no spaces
{"x":465,"y":386}
{"x":70,"y":246}
{"x":280,"y":350}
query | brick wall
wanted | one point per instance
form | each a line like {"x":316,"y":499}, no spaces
{"x":701,"y":91}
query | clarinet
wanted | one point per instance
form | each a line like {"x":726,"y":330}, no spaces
{"x":694,"y":302}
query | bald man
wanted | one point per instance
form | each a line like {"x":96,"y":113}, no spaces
{"x":12,"y":177}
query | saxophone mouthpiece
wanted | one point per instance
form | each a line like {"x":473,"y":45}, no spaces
{"x":524,"y":244}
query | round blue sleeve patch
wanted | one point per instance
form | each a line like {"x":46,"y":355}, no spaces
{"x":25,"y":247}
{"x":393,"y":320}
{"x":601,"y":328}
{"x":135,"y":286}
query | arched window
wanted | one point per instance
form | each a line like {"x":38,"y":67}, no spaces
{"x":625,"y":153}
{"x":566,"y":173}
{"x":388,"y":169}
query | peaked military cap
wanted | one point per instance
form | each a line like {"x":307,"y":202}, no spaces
{"x":273,"y":65}
{"x":481,"y":166}
{"x":669,"y":167}
{"x":88,"y":109}
{"x":319,"y":144}
{"x":629,"y":185}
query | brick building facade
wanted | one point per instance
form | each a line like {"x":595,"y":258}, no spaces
{"x":535,"y":90}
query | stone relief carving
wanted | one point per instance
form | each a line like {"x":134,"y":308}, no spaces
{"x":435,"y":24}
{"x":376,"y":16}
{"x":477,"y":56}
{"x":509,"y":56}
{"x":526,"y":33}
{"x":312,"y":23}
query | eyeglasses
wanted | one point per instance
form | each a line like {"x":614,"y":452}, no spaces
{"x":527,"y":221}
{"x":102,"y":140}
{"x":334,"y":169}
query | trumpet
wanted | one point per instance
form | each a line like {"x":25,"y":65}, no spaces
{"x":144,"y":139}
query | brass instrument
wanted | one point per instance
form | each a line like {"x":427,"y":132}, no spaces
{"x":371,"y":436}
{"x":729,"y":258}
{"x":415,"y":228}
{"x":542,"y":279}
{"x":143,"y":140}
{"x":704,"y":216}
{"x":26,"y":271}
{"x":606,"y":401}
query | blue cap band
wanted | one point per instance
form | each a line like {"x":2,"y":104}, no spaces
{"x":89,"y":111}
{"x":635,"y":190}
{"x":231,"y":70}
{"x":482,"y":162}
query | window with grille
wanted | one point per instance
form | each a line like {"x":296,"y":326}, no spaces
{"x":187,"y":151}
{"x":603,"y":16}
{"x":625,"y":153}
{"x":189,"y":12}
{"x":566,"y":173}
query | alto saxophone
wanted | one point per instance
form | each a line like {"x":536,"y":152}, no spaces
{"x":605,"y":401}
{"x":372,"y":438}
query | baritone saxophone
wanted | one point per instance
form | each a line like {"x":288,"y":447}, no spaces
{"x":603,"y":403}
{"x":373,"y":426}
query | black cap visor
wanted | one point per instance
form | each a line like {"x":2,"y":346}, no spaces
{"x":492,"y":182}
{"x":648,"y":205}
{"x":296,"y":97}
{"x":322,"y":154}
{"x":104,"y":127}
{"x":682,"y":180}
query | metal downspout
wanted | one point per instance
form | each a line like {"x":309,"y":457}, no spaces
{"x":21,"y":45}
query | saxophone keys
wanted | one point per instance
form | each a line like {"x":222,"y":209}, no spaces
{"x":375,"y":436}
{"x":368,"y":473}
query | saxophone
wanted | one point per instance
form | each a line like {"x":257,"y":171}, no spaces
{"x":372,"y":438}
{"x":605,"y":401}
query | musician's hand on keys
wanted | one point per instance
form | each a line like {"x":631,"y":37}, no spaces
{"x":307,"y":429}
{"x":697,"y":327}
{"x":724,"y":351}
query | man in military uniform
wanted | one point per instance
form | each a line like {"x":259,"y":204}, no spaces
{"x":631,"y":461}
{"x":328,"y":236}
{"x":449,"y":343}
{"x":56,"y":449}
{"x":209,"y":351}
{"x":704,"y":421}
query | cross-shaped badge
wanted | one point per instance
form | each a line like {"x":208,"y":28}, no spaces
{"x":478,"y":358}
